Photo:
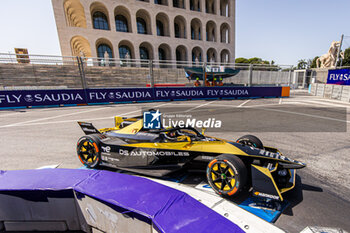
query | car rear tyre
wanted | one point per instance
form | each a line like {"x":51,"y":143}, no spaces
{"x":250,"y":140}
{"x":227,"y":175}
{"x":88,"y":150}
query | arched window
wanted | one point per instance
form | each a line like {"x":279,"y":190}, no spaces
{"x":177,"y":30}
{"x":160,"y":28}
{"x":178,"y":55}
{"x":144,"y":54}
{"x":75,"y":13}
{"x":162,"y":54}
{"x":123,"y":50}
{"x":141,"y":26}
{"x":102,"y":48}
{"x":159,"y":2}
{"x":211,"y":55}
{"x":121,"y":23}
{"x":199,"y":57}
{"x":195,"y":5}
{"x":100,"y":21}
{"x":178,"y":4}
{"x":192,"y":33}
{"x":210,"y":6}
{"x":181,"y":56}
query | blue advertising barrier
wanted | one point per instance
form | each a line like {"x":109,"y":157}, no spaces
{"x":340,"y":77}
{"x":26,"y":98}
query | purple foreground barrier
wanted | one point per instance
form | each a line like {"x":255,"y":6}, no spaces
{"x":170,"y":210}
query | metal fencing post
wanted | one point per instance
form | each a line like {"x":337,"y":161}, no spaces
{"x":289,"y":76}
{"x":250,"y":75}
{"x":304,"y":79}
{"x":151,"y":76}
{"x":82,"y":72}
{"x":204,"y":71}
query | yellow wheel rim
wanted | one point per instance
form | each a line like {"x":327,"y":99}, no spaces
{"x":87,"y":152}
{"x":222,"y":176}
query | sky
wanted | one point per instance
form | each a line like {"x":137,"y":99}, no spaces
{"x":281,"y":30}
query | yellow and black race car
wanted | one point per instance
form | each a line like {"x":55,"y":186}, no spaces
{"x":229,"y":165}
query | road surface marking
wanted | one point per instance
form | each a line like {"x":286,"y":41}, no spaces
{"x":199,"y":106}
{"x":67,"y":121}
{"x":245,"y":102}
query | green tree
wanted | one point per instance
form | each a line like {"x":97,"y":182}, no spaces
{"x":346,"y":60}
{"x":255,"y":60}
{"x":314,"y":62}
{"x":302,"y":64}
{"x":241,"y":60}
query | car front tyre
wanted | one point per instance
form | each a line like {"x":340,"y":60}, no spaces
{"x":227,"y":175}
{"x":88,"y":151}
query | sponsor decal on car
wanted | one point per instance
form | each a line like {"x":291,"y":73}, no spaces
{"x":266,"y":195}
{"x":153,"y":153}
{"x":89,"y":130}
{"x":106,"y":149}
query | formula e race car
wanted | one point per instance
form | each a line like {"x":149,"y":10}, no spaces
{"x":230,"y":165}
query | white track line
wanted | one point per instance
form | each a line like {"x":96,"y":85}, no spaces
{"x":321,"y":103}
{"x":75,"y":120}
{"x":308,"y":115}
{"x":53,"y":117}
{"x":11,"y":114}
{"x":245,"y":102}
{"x":199,"y":106}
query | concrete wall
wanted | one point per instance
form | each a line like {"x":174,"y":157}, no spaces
{"x":261,"y":77}
{"x":320,"y":75}
{"x":330,"y":91}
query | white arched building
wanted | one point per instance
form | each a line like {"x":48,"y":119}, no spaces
{"x":184,"y":30}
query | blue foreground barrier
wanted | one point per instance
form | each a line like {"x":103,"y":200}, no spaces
{"x":164,"y":208}
{"x":68,"y":97}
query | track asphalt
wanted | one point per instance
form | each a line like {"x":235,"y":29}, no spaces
{"x":31,"y":138}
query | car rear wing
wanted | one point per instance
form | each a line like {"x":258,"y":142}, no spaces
{"x":88,"y":128}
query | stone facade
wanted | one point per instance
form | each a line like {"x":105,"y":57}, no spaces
{"x":204,"y":30}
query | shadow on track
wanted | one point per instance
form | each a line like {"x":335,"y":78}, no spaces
{"x":295,"y":196}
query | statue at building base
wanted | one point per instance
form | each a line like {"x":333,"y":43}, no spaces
{"x":329,"y":59}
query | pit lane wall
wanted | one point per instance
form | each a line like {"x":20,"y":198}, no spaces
{"x":64,"y":97}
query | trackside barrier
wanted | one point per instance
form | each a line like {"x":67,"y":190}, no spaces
{"x":64,"y":97}
{"x":331,"y":91}
{"x":83,"y":200}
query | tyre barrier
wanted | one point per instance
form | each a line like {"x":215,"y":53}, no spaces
{"x":76,"y":97}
